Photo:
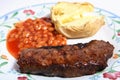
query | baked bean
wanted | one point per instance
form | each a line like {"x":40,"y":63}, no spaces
{"x":51,"y":29}
{"x":51,"y":39}
{"x":50,"y":34}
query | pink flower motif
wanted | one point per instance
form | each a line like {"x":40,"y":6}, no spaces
{"x":112,"y":76}
{"x":29,"y":12}
{"x":22,"y":78}
{"x":118,"y":33}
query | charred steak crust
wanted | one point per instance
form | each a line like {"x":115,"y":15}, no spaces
{"x":66,"y":61}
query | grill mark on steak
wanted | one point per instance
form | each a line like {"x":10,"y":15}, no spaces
{"x":66,"y":61}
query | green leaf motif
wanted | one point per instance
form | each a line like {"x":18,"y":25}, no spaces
{"x":35,"y":17}
{"x":119,"y":55}
{"x":118,"y":50}
{"x":15,"y":14}
{"x":30,"y":77}
{"x":3,"y":63}
{"x":27,"y":14}
{"x":111,"y":71}
{"x":118,"y":30}
{"x":7,"y":26}
{"x":2,"y":40}
{"x":117,"y":21}
{"x":113,"y":37}
{"x":1,"y":72}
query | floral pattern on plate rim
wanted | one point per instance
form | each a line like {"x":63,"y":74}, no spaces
{"x":40,"y":10}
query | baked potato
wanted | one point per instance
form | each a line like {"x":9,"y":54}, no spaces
{"x":76,"y":20}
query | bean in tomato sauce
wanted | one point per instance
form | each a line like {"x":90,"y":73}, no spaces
{"x":32,"y":34}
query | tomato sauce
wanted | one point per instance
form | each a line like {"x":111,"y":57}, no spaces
{"x":12,"y":45}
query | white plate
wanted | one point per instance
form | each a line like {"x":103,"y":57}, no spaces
{"x":109,"y":32}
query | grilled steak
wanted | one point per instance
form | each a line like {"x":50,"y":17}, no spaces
{"x":66,"y":61}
